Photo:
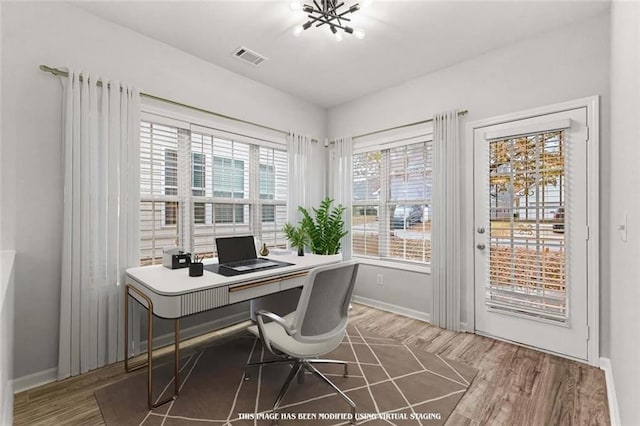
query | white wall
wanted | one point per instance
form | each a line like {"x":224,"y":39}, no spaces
{"x":7,"y":183}
{"x":7,"y":286}
{"x":625,"y":184}
{"x":402,"y":291}
{"x":58,"y":34}
{"x":562,"y":65}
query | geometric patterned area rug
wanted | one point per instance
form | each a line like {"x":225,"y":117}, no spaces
{"x":391,"y":384}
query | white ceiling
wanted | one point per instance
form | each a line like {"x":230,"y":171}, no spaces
{"x":404,"y":39}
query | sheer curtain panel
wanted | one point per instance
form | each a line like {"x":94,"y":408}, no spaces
{"x":445,"y":261}
{"x":298,"y":150}
{"x":342,"y":191}
{"x":100,"y":227}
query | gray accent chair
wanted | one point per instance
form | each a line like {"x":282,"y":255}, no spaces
{"x":315,"y":328}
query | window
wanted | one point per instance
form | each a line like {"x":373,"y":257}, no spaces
{"x":267,"y":191}
{"x":170,"y":171}
{"x":198,"y":185}
{"x":159,"y":201}
{"x":198,"y":174}
{"x":228,"y":177}
{"x":392,"y":203}
{"x":170,"y":185}
{"x":235,"y":188}
{"x":267,"y":182}
{"x":272,"y":182}
{"x":527,"y":262}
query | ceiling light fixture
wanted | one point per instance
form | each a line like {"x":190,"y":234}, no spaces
{"x":328,"y":12}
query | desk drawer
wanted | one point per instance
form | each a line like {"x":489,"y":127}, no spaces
{"x":293,"y":281}
{"x":192,"y":303}
{"x":250,"y":291}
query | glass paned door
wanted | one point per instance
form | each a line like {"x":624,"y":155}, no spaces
{"x":530,"y":220}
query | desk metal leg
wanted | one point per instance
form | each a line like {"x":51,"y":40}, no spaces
{"x":149,"y":363}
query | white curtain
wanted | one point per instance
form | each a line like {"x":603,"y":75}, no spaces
{"x":445,"y":238}
{"x":342,"y":191}
{"x":101,"y":212}
{"x":298,"y":151}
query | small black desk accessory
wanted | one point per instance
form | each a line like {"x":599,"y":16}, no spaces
{"x":175,"y":258}
{"x":196,"y":267}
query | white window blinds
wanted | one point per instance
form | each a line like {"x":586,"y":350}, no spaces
{"x":220,"y":190}
{"x":197,"y":186}
{"x":392,"y":202}
{"x":272,"y":197}
{"x":159,"y":201}
{"x":527,"y":198}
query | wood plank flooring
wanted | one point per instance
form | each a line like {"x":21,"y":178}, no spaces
{"x":514,"y":385}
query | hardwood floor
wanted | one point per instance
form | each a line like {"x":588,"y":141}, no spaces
{"x":514,"y":385}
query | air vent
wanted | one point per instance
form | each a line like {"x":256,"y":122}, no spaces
{"x":248,"y":55}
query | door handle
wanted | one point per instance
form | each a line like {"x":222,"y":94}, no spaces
{"x":480,"y":246}
{"x":480,"y":230}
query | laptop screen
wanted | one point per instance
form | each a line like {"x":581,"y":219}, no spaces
{"x":233,"y":249}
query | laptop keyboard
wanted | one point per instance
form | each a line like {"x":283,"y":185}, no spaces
{"x":244,"y":265}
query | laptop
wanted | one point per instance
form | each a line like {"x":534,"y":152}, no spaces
{"x":237,"y":255}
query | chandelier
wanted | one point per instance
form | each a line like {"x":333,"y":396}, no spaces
{"x":332,"y":13}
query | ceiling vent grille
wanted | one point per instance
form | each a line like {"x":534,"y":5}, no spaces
{"x":249,"y":56}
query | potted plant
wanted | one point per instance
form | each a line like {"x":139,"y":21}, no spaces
{"x":326,"y":229}
{"x":297,"y":237}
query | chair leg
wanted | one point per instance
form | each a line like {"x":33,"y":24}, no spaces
{"x":318,"y":374}
{"x":287,"y":384}
{"x":273,"y":361}
{"x":300,"y":376}
{"x":332,"y":361}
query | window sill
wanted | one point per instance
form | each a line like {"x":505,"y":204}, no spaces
{"x":403,"y":266}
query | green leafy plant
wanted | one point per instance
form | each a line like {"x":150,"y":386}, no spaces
{"x":296,"y":235}
{"x":327,"y":229}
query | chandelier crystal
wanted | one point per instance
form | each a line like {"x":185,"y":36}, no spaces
{"x":332,"y":13}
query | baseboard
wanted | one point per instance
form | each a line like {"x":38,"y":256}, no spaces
{"x":30,"y":381}
{"x":6,"y":415}
{"x":196,"y":330}
{"x":400,"y":310}
{"x":614,"y":412}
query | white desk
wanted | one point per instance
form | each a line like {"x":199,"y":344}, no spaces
{"x":173,"y":294}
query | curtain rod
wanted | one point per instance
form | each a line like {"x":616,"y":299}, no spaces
{"x":57,"y":71}
{"x":429,"y":120}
